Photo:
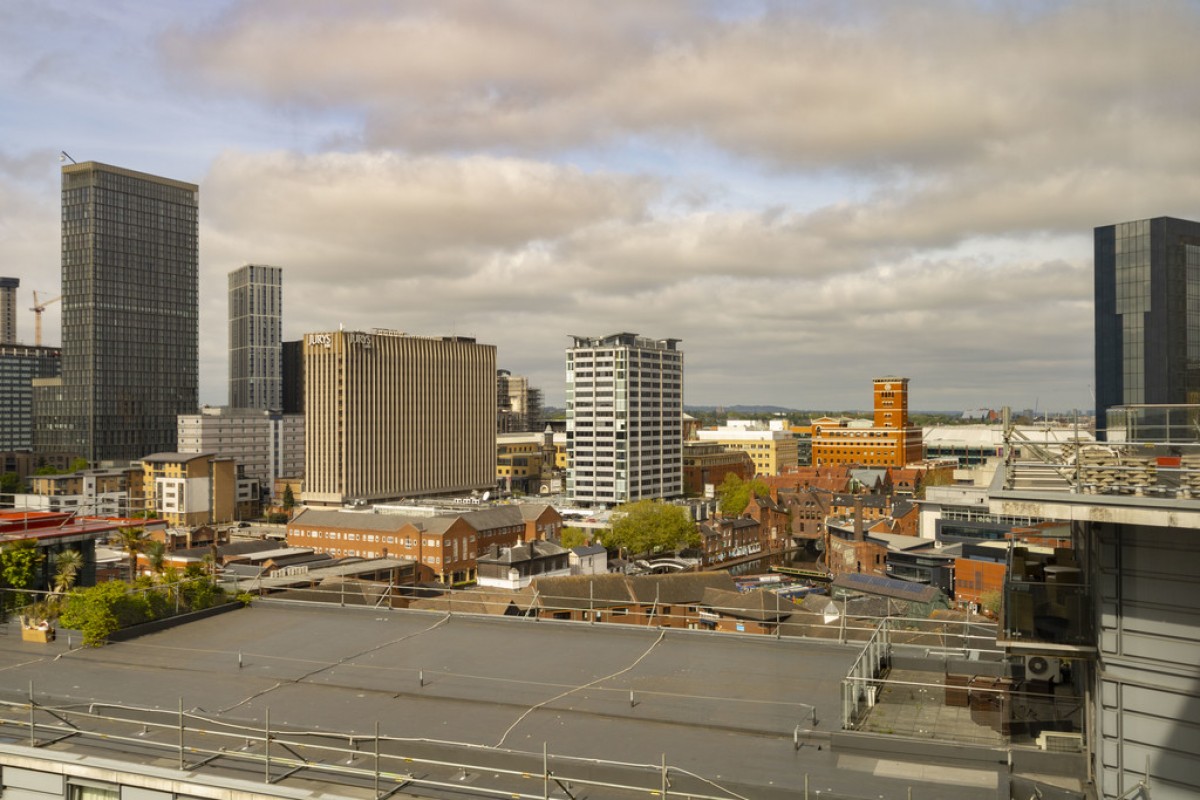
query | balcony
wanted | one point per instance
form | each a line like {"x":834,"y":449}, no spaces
{"x":1046,"y":605}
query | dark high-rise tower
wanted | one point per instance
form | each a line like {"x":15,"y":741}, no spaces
{"x":1147,"y":313}
{"x":255,"y":337}
{"x":129,"y":315}
{"x":8,"y":310}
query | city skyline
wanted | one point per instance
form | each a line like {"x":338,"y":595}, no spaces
{"x":807,"y":194}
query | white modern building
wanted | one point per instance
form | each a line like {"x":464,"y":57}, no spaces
{"x":267,"y":444}
{"x":256,"y":337}
{"x":624,"y":419}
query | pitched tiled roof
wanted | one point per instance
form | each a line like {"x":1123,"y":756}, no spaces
{"x":679,"y":587}
{"x":498,"y":517}
{"x":757,"y":605}
{"x":584,"y":591}
{"x":389,"y":523}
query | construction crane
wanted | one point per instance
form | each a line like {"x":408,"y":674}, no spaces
{"x":37,"y":310}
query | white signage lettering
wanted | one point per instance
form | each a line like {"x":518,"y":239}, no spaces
{"x":361,"y":339}
{"x":318,"y":339}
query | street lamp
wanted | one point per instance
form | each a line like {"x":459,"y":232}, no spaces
{"x":64,"y":156}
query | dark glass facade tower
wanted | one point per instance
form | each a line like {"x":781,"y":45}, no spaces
{"x":1147,"y":276}
{"x":255,"y":337}
{"x":8,"y":310}
{"x":129,"y":300}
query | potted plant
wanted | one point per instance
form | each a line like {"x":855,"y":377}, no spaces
{"x":37,"y":621}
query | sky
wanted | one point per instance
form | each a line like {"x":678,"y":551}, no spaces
{"x":808,"y":194}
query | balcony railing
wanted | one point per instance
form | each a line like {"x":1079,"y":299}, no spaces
{"x":1046,"y":600}
{"x":1151,"y":451}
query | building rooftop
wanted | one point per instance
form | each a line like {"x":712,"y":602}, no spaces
{"x":475,"y":695}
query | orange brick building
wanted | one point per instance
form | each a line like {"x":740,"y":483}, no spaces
{"x":889,"y":442}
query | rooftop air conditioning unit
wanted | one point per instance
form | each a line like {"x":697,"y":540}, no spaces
{"x":1041,"y":668}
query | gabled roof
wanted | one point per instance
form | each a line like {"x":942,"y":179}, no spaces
{"x":532,"y":511}
{"x":589,"y":550}
{"x":759,"y":605}
{"x":354,"y":519}
{"x":517,"y":554}
{"x":584,"y":591}
{"x":475,"y":601}
{"x":498,"y":517}
{"x":680,"y":587}
{"x":868,"y":500}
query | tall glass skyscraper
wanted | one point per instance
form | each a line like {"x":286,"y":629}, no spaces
{"x":129,"y":315}
{"x":1147,"y":276}
{"x":255,"y":337}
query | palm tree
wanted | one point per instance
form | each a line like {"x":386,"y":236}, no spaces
{"x":67,"y":565}
{"x":135,"y":541}
{"x":156,"y":554}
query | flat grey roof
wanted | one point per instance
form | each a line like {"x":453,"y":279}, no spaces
{"x":720,"y":706}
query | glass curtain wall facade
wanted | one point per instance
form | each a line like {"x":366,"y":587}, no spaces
{"x":1147,"y":285}
{"x":8,"y":310}
{"x":624,"y":419}
{"x":129,"y":315}
{"x":256,"y":337}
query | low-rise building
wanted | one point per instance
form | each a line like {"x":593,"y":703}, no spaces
{"x":444,"y":546}
{"x":90,"y":492}
{"x":515,"y":567}
{"x":191,"y":489}
{"x":771,"y":446}
{"x":728,"y":539}
{"x":707,"y":464}
{"x":267,"y":444}
{"x":591,"y":559}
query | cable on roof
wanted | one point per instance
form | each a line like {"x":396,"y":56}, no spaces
{"x":535,"y":707}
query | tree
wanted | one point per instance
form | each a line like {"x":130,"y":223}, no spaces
{"x":135,"y":541}
{"x":18,"y":569}
{"x":156,"y":554}
{"x":78,"y":464}
{"x":47,"y":469}
{"x":651,"y":526}
{"x":573,"y":537}
{"x":66,"y":570}
{"x":289,"y":499}
{"x":10,"y":483}
{"x":733,"y":494}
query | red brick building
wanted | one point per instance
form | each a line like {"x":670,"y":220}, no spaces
{"x":708,"y":463}
{"x":445,"y":547}
{"x":891,"y":441}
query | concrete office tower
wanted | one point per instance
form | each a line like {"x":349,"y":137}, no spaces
{"x":8,"y":310}
{"x":129,"y":315}
{"x":389,"y":416}
{"x":256,"y":337}
{"x":624,"y":419}
{"x":1147,"y":277}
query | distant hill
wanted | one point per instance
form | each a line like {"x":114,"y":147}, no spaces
{"x":734,"y":410}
